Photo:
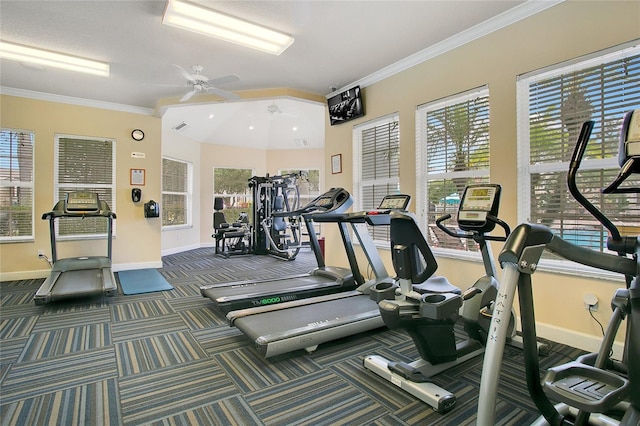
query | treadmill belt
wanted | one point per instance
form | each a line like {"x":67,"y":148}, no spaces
{"x":307,"y":317}
{"x":261,"y":288}
{"x":78,"y":283}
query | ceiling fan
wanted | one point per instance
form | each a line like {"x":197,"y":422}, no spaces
{"x":198,"y":83}
{"x":275,"y":111}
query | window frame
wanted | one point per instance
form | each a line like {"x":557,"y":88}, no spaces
{"x":188,"y":194}
{"x":84,"y":186}
{"x":22,"y":184}
{"x":305,"y":198}
{"x":423,"y":176}
{"x":525,"y":169}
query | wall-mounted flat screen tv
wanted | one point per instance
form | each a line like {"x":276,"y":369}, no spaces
{"x":346,"y":106}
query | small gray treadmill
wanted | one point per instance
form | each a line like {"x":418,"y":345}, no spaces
{"x":304,"y":324}
{"x":321,"y":280}
{"x":79,"y":276}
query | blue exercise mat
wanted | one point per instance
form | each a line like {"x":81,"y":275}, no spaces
{"x":142,"y":281}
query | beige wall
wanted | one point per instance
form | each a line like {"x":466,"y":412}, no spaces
{"x":137,"y":241}
{"x":287,"y":159}
{"x":563,"y":32}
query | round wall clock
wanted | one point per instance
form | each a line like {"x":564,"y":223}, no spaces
{"x":137,"y":135}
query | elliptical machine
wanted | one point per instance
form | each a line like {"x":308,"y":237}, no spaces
{"x":591,"y":389}
{"x":428,"y":306}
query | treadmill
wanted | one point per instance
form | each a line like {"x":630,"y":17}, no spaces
{"x":304,"y":324}
{"x":319,"y":281}
{"x":79,"y":276}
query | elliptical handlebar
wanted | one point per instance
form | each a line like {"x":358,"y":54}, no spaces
{"x":475,"y":234}
{"x":576,"y":159}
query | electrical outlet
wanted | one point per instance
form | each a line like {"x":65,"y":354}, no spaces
{"x":40,"y":253}
{"x":591,"y":302}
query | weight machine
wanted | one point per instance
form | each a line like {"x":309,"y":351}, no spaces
{"x":276,"y":231}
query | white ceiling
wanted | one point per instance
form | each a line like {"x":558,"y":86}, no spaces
{"x":336,"y":44}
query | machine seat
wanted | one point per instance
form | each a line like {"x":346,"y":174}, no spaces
{"x":436,"y":284}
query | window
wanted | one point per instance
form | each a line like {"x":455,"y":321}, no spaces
{"x":84,"y":164}
{"x":176,"y":193}
{"x":452,"y":151}
{"x":233,"y":186}
{"x":376,"y":166}
{"x":308,"y":184}
{"x":552,"y":105}
{"x":16,"y":185}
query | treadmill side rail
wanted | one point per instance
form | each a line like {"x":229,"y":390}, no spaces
{"x":43,"y":295}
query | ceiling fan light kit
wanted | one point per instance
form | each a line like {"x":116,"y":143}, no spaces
{"x":47,"y":58}
{"x":191,"y":17}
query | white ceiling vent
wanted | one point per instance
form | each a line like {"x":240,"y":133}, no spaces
{"x":181,"y":127}
{"x":302,"y":143}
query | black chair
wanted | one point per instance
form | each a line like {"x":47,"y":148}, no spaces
{"x":231,"y":238}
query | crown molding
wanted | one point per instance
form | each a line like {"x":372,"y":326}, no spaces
{"x":511,"y":16}
{"x":11,"y":91}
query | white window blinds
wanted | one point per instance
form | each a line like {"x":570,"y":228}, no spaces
{"x":553,"y":105}
{"x":16,"y":185}
{"x":85,"y":164}
{"x":176,"y":192}
{"x":376,"y":165}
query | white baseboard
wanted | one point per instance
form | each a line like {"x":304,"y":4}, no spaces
{"x":180,"y":249}
{"x":138,"y":265}
{"x":25,"y":275}
{"x":44,"y":273}
{"x":576,"y":339}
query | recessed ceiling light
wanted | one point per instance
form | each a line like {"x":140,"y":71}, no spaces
{"x":251,"y":127}
{"x":294,"y":128}
{"x":192,"y":17}
{"x":211,"y":115}
{"x":46,"y":58}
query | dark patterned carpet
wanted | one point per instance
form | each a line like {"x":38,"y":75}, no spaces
{"x":169,"y":358}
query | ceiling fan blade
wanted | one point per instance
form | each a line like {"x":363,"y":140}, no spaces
{"x":188,"y":96}
{"x":223,"y":94}
{"x":184,"y":72}
{"x":221,"y":81}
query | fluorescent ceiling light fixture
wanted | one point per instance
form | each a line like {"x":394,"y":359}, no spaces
{"x":46,"y":58}
{"x":191,"y":17}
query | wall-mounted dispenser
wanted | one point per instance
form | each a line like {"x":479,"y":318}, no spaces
{"x":136,"y":194}
{"x":151,"y":209}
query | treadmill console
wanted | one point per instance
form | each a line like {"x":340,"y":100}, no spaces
{"x":329,"y":201}
{"x":478,"y":202}
{"x":392,"y":202}
{"x":81,"y":202}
